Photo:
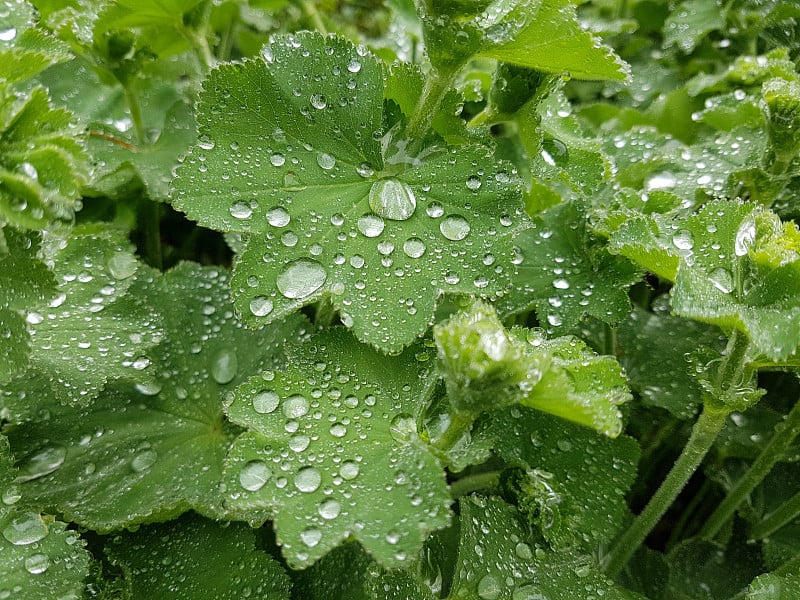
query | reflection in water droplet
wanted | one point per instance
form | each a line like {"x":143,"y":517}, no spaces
{"x":25,"y":528}
{"x":241,"y":210}
{"x":301,"y":278}
{"x":144,"y":460}
{"x":295,"y":406}
{"x":278,"y":217}
{"x":561,"y":284}
{"x":311,"y":537}
{"x":319,"y":101}
{"x":223,"y":365}
{"x":261,"y":306}
{"x":265,"y":402}
{"x":307,"y":479}
{"x":326,"y":161}
{"x":254,"y":475}
{"x":683,"y":240}
{"x":44,"y":462}
{"x":37,"y":564}
{"x":299,"y":442}
{"x":370,"y":225}
{"x":745,"y":237}
{"x":414,"y":247}
{"x":722,"y":280}
{"x":392,"y":199}
{"x":329,"y":509}
{"x":489,"y":588}
{"x":349,"y":470}
{"x":122,"y":265}
{"x":338,"y":430}
{"x":454,"y":228}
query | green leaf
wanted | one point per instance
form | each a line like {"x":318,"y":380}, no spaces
{"x":339,"y":575}
{"x":333,"y":452}
{"x":771,"y":586}
{"x":498,"y":559}
{"x":91,"y":332}
{"x":691,"y":21}
{"x":39,"y":558}
{"x":567,"y":272}
{"x":26,"y":50}
{"x":655,"y":350}
{"x":290,"y":152}
{"x":587,"y":475}
{"x":152,"y":451}
{"x":553,"y":41}
{"x":14,"y":345}
{"x":42,"y":162}
{"x":198,"y":559}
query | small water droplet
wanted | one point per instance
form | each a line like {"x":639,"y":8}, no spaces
{"x":435,"y":210}
{"x":454,"y":228}
{"x":42,"y":463}
{"x":295,"y":406}
{"x":326,"y":161}
{"x":353,"y":66}
{"x":319,"y":101}
{"x":311,"y":537}
{"x":370,"y":225}
{"x":474,"y":183}
{"x":660,"y":181}
{"x":224,"y":364}
{"x":254,"y":475}
{"x":300,"y":278}
{"x":349,"y":470}
{"x":278,"y":217}
{"x":38,"y":563}
{"x":206,"y":143}
{"x":241,"y":210}
{"x":299,"y":442}
{"x":489,"y":588}
{"x":338,"y":430}
{"x":260,"y":306}
{"x":414,"y":247}
{"x":265,"y":402}
{"x":329,"y":509}
{"x":745,"y":237}
{"x":392,"y":199}
{"x":307,"y":479}
{"x":683,"y":240}
{"x":277,"y":160}
{"x":9,"y":34}
{"x":144,"y":460}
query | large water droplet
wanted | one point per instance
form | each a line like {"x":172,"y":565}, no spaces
{"x":144,"y":460}
{"x":745,"y":237}
{"x":265,"y":402}
{"x":25,"y":528}
{"x":223,"y":365}
{"x":311,"y":536}
{"x":414,"y":247}
{"x":295,"y":406}
{"x":241,"y":210}
{"x":261,"y":306}
{"x":307,"y":479}
{"x":329,"y":509}
{"x":349,"y":470}
{"x":254,"y":475}
{"x":301,"y":278}
{"x":454,"y":228}
{"x":489,"y":588}
{"x":38,"y":563}
{"x":722,"y":280}
{"x":326,"y":161}
{"x":42,"y":463}
{"x":370,"y":225}
{"x":319,"y":101}
{"x":683,"y":240}
{"x":392,"y":199}
{"x":122,"y":265}
{"x":278,"y":217}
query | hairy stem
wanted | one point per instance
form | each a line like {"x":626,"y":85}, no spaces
{"x":312,"y":14}
{"x":785,"y":433}
{"x":459,"y":425}
{"x":474,"y":483}
{"x":135,"y":110}
{"x":325,"y":312}
{"x":150,"y":224}
{"x":437,"y":84}
{"x":788,"y":511}
{"x":704,"y":433}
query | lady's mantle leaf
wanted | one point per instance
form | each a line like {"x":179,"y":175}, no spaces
{"x":197,"y":559}
{"x":734,"y":265}
{"x":151,"y":451}
{"x":333,"y":452}
{"x":292,"y":151}
{"x":38,"y":557}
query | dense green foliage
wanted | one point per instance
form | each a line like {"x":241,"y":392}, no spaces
{"x":451,"y":299}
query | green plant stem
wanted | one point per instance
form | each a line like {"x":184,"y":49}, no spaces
{"x":704,"y":433}
{"x":312,"y":14}
{"x":788,"y":511}
{"x":474,"y":483}
{"x":785,"y":433}
{"x":325,"y":313}
{"x":437,"y":84}
{"x":459,"y":425}
{"x":150,"y":222}
{"x":135,"y":110}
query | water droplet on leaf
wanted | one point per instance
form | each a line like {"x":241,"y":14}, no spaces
{"x":392,"y":199}
{"x":254,"y":475}
{"x":223,"y":365}
{"x":454,"y":228}
{"x":300,"y":278}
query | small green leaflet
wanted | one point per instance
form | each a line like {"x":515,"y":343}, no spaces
{"x":552,"y":40}
{"x":691,"y":21}
{"x":771,"y":586}
{"x":39,"y":558}
{"x":567,"y":272}
{"x":42,"y":162}
{"x":292,"y":151}
{"x":25,"y":50}
{"x":333,"y":451}
{"x":734,"y":265}
{"x":197,"y":559}
{"x":92,"y":331}
{"x":151,"y":451}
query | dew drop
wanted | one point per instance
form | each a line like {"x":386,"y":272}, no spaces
{"x":474,"y":183}
{"x":307,"y":479}
{"x":122,"y":265}
{"x":561,"y":284}
{"x":338,"y":430}
{"x":278,"y":217}
{"x":722,"y":280}
{"x":683,"y":240}
{"x":144,"y":460}
{"x":434,"y":210}
{"x":42,"y":463}
{"x":326,"y":161}
{"x":265,"y":402}
{"x":295,"y":406}
{"x":254,"y":475}
{"x":260,"y":306}
{"x":349,"y":470}
{"x":353,"y":66}
{"x":329,"y":509}
{"x":25,"y":528}
{"x":223,"y":365}
{"x":9,"y":34}
{"x":370,"y":225}
{"x":301,"y":278}
{"x":299,"y":442}
{"x":454,"y":228}
{"x":277,"y":160}
{"x":241,"y":210}
{"x":414,"y":247}
{"x":38,"y":563}
{"x":745,"y":237}
{"x":392,"y":199}
{"x":489,"y":588}
{"x":319,"y":101}
{"x":311,"y":537}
